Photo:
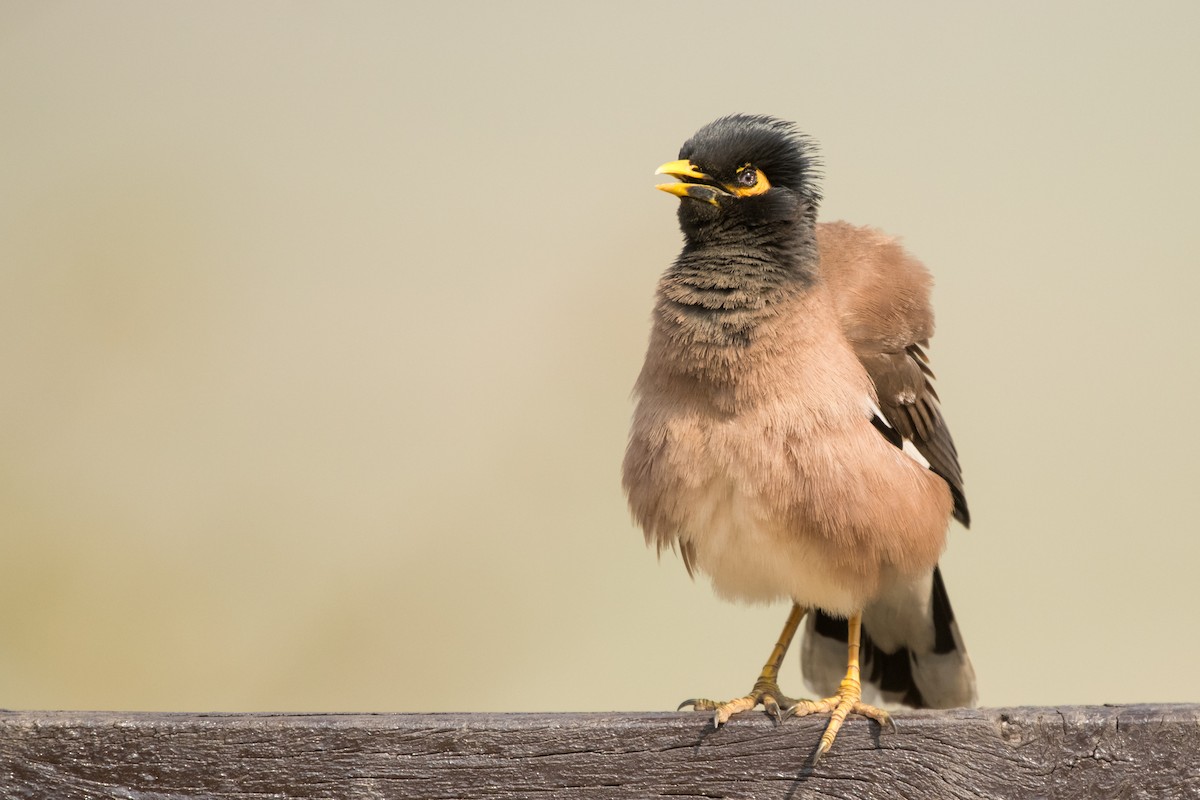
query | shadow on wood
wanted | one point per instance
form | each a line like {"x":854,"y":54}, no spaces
{"x":1085,"y":752}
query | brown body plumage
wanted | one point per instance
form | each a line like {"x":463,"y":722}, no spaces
{"x":787,"y":438}
{"x":760,"y":461}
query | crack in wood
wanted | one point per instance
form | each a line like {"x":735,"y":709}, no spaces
{"x":1102,"y":751}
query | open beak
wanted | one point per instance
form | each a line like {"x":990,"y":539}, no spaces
{"x":706,"y":190}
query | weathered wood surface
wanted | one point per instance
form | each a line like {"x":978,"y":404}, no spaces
{"x":1085,"y":752}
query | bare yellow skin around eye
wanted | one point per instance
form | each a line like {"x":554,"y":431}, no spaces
{"x":760,"y":186}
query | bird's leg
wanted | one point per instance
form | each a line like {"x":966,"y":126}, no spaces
{"x":848,"y":698}
{"x":766,"y":688}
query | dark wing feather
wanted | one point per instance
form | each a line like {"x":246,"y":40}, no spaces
{"x":909,"y":404}
{"x":882,"y":296}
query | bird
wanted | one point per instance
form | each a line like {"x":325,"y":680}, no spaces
{"x":787,"y":440}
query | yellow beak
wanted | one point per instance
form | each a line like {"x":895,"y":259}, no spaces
{"x":696,"y":191}
{"x":680,"y":169}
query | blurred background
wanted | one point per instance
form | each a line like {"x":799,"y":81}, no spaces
{"x":318,"y":323}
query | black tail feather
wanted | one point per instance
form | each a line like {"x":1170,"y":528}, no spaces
{"x":933,"y":672}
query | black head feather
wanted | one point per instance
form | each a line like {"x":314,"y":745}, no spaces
{"x":748,"y":202}
{"x":785,"y":155}
{"x":722,"y":150}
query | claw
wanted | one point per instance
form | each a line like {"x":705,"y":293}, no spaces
{"x":822,"y":749}
{"x":780,"y":712}
{"x":766,"y":689}
{"x":840,"y":706}
{"x":772,"y":709}
{"x":699,"y":704}
{"x":768,"y":696}
{"x":779,"y":706}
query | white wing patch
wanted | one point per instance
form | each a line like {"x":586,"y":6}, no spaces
{"x":907,"y":447}
{"x":873,"y":410}
{"x":912,"y":452}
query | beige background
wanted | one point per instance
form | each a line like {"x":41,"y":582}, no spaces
{"x":318,"y":324}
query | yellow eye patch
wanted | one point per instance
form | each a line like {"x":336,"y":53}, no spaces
{"x":750,"y":181}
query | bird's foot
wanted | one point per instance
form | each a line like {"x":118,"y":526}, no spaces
{"x":765,"y":693}
{"x":848,"y":700}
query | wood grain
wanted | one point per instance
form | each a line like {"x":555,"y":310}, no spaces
{"x":1087,"y":752}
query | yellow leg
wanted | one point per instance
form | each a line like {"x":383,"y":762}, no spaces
{"x":766,"y":688}
{"x":848,"y":698}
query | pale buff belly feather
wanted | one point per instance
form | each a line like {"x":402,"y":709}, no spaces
{"x":771,"y":478}
{"x":823,"y":528}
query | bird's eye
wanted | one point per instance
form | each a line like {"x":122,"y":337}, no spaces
{"x":749,"y":181}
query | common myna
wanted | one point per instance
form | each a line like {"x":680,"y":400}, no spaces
{"x":787,"y":439}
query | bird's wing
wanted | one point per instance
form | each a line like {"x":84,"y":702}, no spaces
{"x":909,"y":404}
{"x":882,"y":297}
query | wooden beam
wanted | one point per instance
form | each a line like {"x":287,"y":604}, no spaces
{"x":1150,"y":751}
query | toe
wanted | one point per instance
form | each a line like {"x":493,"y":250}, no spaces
{"x":698,"y":704}
{"x":727,"y":710}
{"x":871,"y":712}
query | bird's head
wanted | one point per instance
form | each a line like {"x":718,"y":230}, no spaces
{"x":744,"y":171}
